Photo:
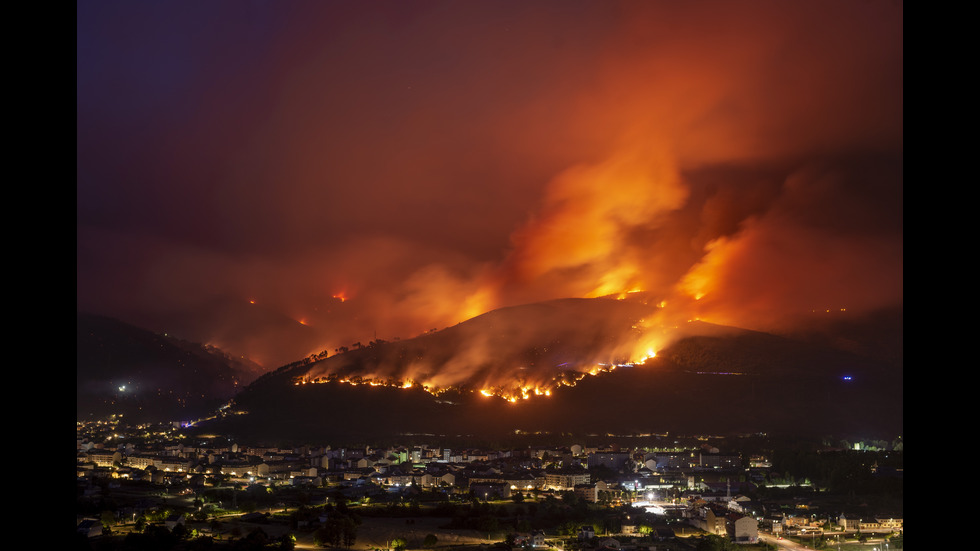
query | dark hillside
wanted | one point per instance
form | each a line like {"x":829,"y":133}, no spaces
{"x":716,"y":380}
{"x":122,"y":369}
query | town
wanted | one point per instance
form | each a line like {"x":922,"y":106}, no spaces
{"x":636,"y":492}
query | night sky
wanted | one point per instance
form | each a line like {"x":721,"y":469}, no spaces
{"x":378,"y":169}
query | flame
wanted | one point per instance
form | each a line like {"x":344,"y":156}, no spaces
{"x":512,"y":392}
{"x":702,"y":278}
{"x":651,"y":353}
{"x":341,"y":296}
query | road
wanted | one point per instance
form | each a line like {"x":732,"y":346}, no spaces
{"x":782,"y":543}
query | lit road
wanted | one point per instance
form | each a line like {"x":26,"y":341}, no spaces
{"x":782,"y":544}
{"x":871,"y":544}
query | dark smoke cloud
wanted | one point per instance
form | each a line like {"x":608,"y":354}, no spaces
{"x":429,"y":161}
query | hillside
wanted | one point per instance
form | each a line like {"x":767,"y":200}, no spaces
{"x":715,"y":380}
{"x":123,"y":369}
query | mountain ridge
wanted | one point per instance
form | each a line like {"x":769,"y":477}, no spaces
{"x":128,"y":370}
{"x":723,"y":379}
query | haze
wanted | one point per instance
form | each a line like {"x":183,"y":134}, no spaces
{"x":378,"y":169}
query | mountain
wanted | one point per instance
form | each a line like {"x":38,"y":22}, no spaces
{"x":259,"y":332}
{"x":713,"y":380}
{"x":123,"y":369}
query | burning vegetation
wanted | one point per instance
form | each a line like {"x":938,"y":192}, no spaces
{"x":513,"y":353}
{"x":512,"y":392}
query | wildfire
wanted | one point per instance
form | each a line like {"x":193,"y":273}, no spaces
{"x":651,"y":353}
{"x":531,"y":377}
{"x":518,"y":391}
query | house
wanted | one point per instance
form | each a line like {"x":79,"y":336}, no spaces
{"x":173,"y":520}
{"x":586,"y":532}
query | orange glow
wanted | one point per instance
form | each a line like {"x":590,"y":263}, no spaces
{"x":710,"y":157}
{"x":509,"y":390}
{"x":476,"y":304}
{"x":649,"y":355}
{"x":700,"y":280}
{"x":633,"y":217}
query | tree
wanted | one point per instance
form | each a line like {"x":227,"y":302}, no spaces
{"x":399,"y":543}
{"x":321,"y":537}
{"x":348,"y":532}
{"x":258,"y":537}
{"x":430,"y":541}
{"x":108,"y":518}
{"x":180,"y":532}
{"x":287,"y":542}
{"x":713,"y":542}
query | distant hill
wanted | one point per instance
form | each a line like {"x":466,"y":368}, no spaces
{"x":127,"y":370}
{"x":714,"y":380}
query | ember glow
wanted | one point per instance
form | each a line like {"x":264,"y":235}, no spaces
{"x":379,"y":171}
{"x":510,"y":390}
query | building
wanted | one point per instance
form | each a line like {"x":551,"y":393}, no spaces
{"x":742,"y":528}
{"x":588,"y":492}
{"x":878,"y":524}
{"x":89,"y":527}
{"x":612,"y":460}
{"x":565,"y":480}
{"x":487,"y":491}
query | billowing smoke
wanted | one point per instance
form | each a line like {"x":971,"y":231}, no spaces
{"x":372,"y":174}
